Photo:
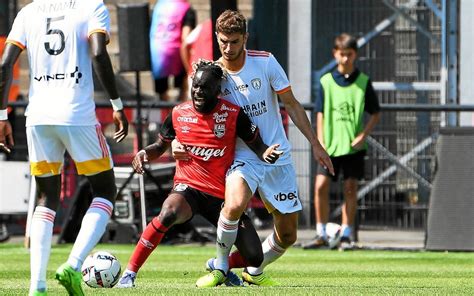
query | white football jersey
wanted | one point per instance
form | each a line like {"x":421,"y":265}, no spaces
{"x":254,"y":88}
{"x":55,"y":34}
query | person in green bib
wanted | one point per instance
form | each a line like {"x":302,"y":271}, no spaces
{"x":344,"y":95}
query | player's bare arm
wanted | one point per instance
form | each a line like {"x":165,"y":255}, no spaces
{"x":298,"y":115}
{"x":10,"y":56}
{"x":178,"y":151}
{"x":268,"y":154}
{"x":105,"y":73}
{"x":149,"y":153}
{"x":250,"y":134}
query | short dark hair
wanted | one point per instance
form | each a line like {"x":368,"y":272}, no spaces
{"x":345,"y":41}
{"x":231,"y":21}
{"x":214,"y":67}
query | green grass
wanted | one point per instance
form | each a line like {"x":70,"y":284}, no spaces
{"x":173,"y":270}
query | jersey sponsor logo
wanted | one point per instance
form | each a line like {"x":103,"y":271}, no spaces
{"x":256,"y":83}
{"x":187,"y":119}
{"x":227,"y":108}
{"x":185,"y":129}
{"x":219,"y":118}
{"x":241,"y":87}
{"x":205,"y":152}
{"x":60,"y":76}
{"x":184,"y":106}
{"x":282,"y":196}
{"x":219,"y":130}
{"x":226,"y":92}
{"x":180,"y":187}
{"x":253,"y":110}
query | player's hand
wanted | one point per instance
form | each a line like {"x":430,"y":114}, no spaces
{"x":121,"y":125}
{"x":323,"y":158}
{"x":140,"y":159}
{"x":272,"y":154}
{"x":358,"y":142}
{"x":6,"y":136}
{"x":179,"y":151}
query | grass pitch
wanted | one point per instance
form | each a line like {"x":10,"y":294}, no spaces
{"x":173,"y":270}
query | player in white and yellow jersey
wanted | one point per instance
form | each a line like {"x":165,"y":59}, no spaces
{"x":64,"y":38}
{"x":254,"y":77}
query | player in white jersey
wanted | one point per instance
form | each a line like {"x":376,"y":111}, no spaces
{"x":64,"y":38}
{"x":253,"y":79}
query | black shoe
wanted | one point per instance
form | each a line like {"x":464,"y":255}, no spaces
{"x":346,"y":244}
{"x":318,"y":243}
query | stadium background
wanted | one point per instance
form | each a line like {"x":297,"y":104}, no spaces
{"x":403,"y":53}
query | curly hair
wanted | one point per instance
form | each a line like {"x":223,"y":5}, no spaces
{"x":231,"y":21}
{"x":216,"y":68}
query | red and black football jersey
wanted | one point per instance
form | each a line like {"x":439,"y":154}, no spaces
{"x":210,"y":141}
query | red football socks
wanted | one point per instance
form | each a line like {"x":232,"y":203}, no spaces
{"x":237,"y":261}
{"x":150,"y":239}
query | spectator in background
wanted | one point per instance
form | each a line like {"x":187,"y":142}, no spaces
{"x":197,"y":45}
{"x":344,"y":95}
{"x":171,"y":23}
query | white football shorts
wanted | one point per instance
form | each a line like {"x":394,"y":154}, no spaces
{"x":86,"y":145}
{"x":275,"y":184}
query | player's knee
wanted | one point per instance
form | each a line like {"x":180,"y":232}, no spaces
{"x":49,"y":188}
{"x":287,"y":239}
{"x":168,"y":215}
{"x":103,"y":185}
{"x":233,"y":211}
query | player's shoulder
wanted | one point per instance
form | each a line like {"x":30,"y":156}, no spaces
{"x":326,"y":77}
{"x":93,"y":5}
{"x":258,"y":53}
{"x":28,"y":8}
{"x":184,"y":106}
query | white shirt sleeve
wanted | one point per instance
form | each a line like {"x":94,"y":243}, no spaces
{"x":100,"y":20}
{"x":17,"y":34}
{"x":277,"y":76}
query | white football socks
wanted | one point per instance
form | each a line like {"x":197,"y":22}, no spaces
{"x":271,"y":252}
{"x":41,"y":234}
{"x":346,"y":230}
{"x":92,"y":228}
{"x":226,"y":235}
{"x":321,"y":230}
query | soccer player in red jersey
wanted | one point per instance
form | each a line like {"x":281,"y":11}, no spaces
{"x":208,"y":128}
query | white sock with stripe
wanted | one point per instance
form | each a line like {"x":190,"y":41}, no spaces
{"x":41,"y":234}
{"x":321,"y":230}
{"x":271,"y":252}
{"x":226,"y":235}
{"x":92,"y":228}
{"x":346,"y":230}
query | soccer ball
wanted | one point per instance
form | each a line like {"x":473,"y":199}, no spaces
{"x":101,"y":270}
{"x":333,"y":231}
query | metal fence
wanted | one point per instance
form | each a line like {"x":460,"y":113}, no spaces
{"x":401,"y":49}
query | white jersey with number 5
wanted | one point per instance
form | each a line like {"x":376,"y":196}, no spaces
{"x":253,"y":88}
{"x":55,"y":33}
